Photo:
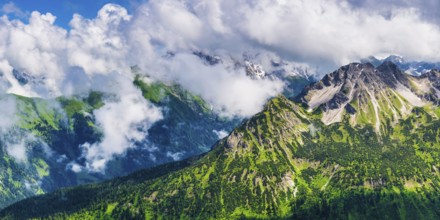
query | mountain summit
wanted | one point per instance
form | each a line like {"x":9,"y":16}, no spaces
{"x":369,"y":95}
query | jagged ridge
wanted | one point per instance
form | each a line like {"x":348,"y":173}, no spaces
{"x":369,"y":95}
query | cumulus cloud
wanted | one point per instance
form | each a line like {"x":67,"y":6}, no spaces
{"x":18,"y":144}
{"x":74,"y":167}
{"x":231,"y":93}
{"x":124,"y":122}
{"x":322,"y":33}
{"x":98,"y":45}
{"x":333,"y":32}
{"x":7,"y":111}
{"x":17,"y":151}
{"x":37,"y":48}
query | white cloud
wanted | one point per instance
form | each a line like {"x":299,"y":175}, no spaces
{"x":17,"y":151}
{"x":11,"y":8}
{"x":37,"y":48}
{"x":18,"y":143}
{"x":7,"y":112}
{"x":74,"y":167}
{"x":124,"y":123}
{"x":231,"y":92}
{"x":98,"y":45}
{"x":175,"y":156}
{"x":182,"y":23}
{"x":332,"y":32}
{"x":321,"y":33}
{"x":221,"y":134}
{"x":428,"y":9}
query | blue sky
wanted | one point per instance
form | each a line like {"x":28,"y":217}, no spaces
{"x":62,"y":9}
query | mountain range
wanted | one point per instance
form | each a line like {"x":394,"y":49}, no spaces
{"x":416,"y":68}
{"x":47,"y":135}
{"x":361,"y":143}
{"x":50,"y":132}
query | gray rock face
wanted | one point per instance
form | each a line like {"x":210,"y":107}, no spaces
{"x":255,"y":71}
{"x":371,"y":93}
{"x":336,"y":102}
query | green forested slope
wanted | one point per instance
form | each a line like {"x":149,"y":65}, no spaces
{"x":53,"y":130}
{"x":43,"y":130}
{"x":282,"y":163}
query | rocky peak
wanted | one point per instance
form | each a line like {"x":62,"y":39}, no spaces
{"x":368,"y":94}
{"x":351,"y":72}
{"x":346,"y":79}
{"x":391,"y":74}
{"x":395,"y":59}
{"x":255,"y":71}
